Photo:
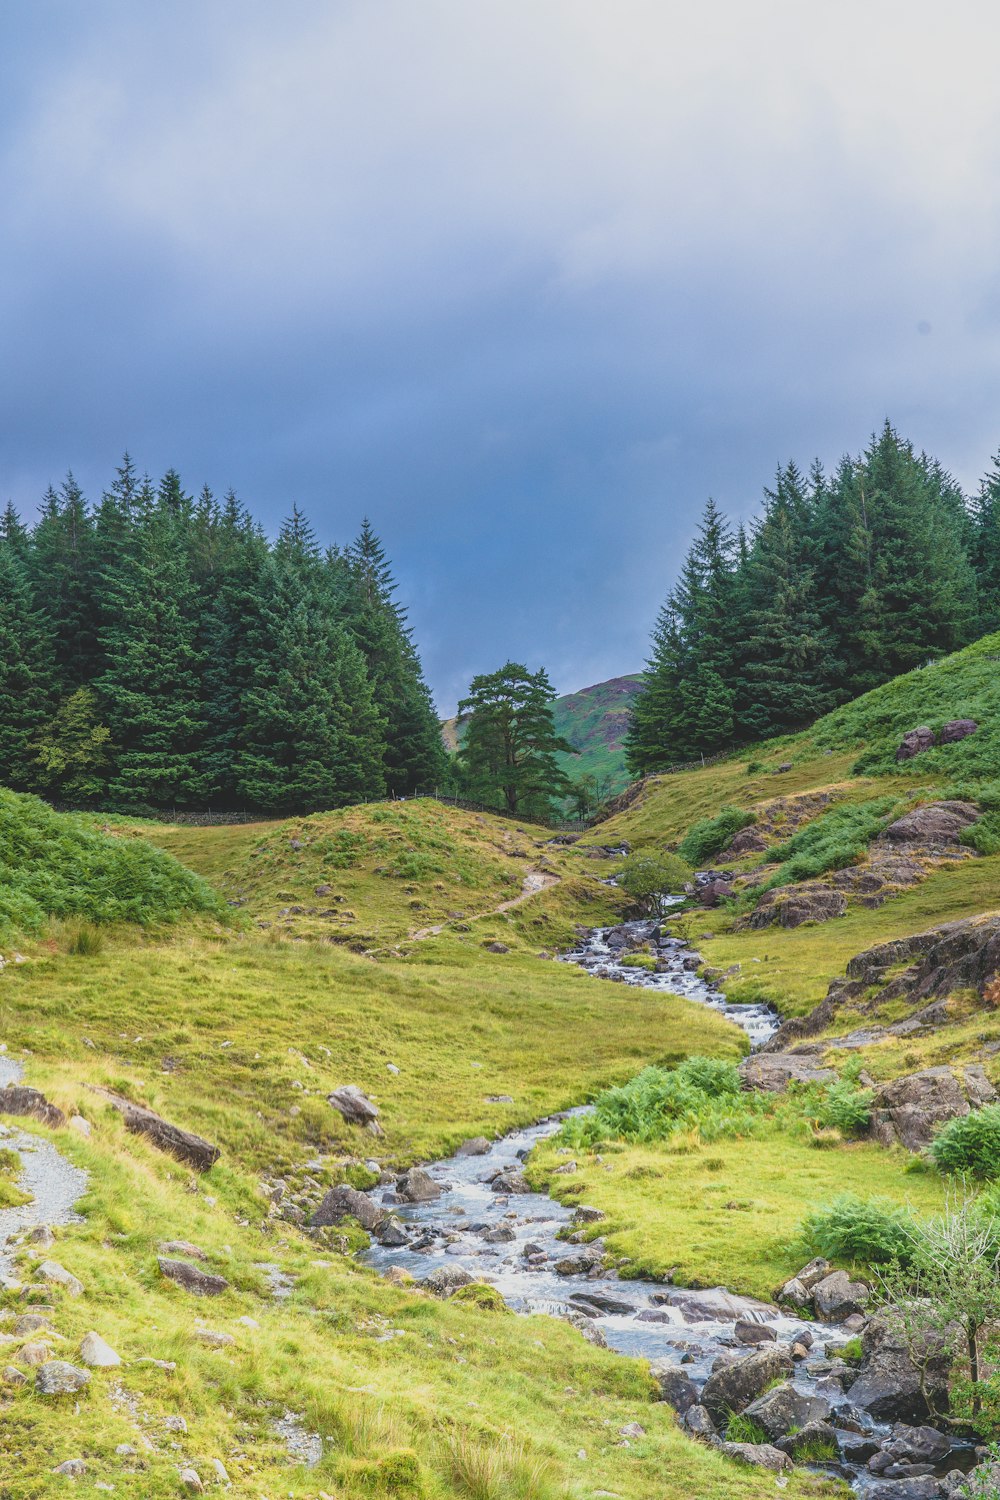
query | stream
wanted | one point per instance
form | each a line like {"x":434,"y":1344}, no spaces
{"x":511,"y":1239}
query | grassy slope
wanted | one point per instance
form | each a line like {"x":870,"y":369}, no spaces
{"x":429,"y":1409}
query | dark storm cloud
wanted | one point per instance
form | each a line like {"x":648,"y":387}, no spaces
{"x":524,"y":282}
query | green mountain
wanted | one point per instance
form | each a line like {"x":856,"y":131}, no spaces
{"x":594,"y":721}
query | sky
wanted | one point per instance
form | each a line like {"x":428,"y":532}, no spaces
{"x":524,"y":281}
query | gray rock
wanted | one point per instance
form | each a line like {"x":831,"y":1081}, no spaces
{"x":782,"y":1408}
{"x":916,"y":1445}
{"x":578,"y":1265}
{"x":911,"y":1109}
{"x":772,"y":1072}
{"x":477,"y":1146}
{"x":889,"y":1387}
{"x":927,"y":1488}
{"x":935,"y":823}
{"x":584,"y":1214}
{"x":447,"y":1279}
{"x":355,"y":1107}
{"x":52,"y":1271}
{"x":57,"y":1378}
{"x":700,"y":1425}
{"x":193,"y":1280}
{"x":758,"y":1456}
{"x":183,"y":1144}
{"x":96,"y":1353}
{"x":30,"y":1323}
{"x":344,"y":1202}
{"x":748,"y":1332}
{"x":183,"y":1248}
{"x":732,"y":1389}
{"x":71,"y":1468}
{"x":836,"y":1297}
{"x":510,"y":1180}
{"x":674,"y":1385}
{"x":14,"y":1376}
{"x":18,"y":1099}
{"x":391,"y":1233}
{"x":418,"y":1186}
{"x":812,"y":1432}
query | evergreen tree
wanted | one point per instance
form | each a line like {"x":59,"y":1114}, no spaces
{"x":73,"y":751}
{"x":986,"y":547}
{"x":414,"y":752}
{"x":62,"y":567}
{"x":509,"y":747}
{"x":27,"y":672}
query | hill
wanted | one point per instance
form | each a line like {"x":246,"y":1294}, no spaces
{"x":593,"y":720}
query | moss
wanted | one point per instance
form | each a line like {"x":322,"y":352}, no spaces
{"x":478,"y":1294}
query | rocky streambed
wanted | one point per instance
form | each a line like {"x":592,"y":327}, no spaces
{"x":472,"y":1219}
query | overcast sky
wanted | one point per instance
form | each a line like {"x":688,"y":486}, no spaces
{"x":523,"y":280}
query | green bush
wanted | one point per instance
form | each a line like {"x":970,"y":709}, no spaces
{"x":830,"y":842}
{"x":707,"y":837}
{"x":970,"y":1144}
{"x":644,"y":876}
{"x":702,"y":1092}
{"x":873,"y":1230}
{"x":845,"y":1107}
{"x":58,"y":865}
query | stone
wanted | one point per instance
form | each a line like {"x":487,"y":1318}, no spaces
{"x":42,"y":1235}
{"x":30,"y":1323}
{"x":447,"y":1279}
{"x":18,"y":1099}
{"x":935,"y":823}
{"x":714,"y":891}
{"x":13,"y":1376}
{"x":812,"y":1273}
{"x":911,"y":1109}
{"x":783,"y":1407}
{"x":496,"y":947}
{"x":174,"y":1424}
{"x":748,"y":1332}
{"x":794,"y":1292}
{"x":344,"y":1202}
{"x":35,"y":1353}
{"x":632,"y":1430}
{"x":700,"y":1425}
{"x":418,"y":1186}
{"x":510,"y":1180}
{"x":811,"y":1433}
{"x":355,"y":1107}
{"x":836,"y":1297}
{"x":916,"y":1445}
{"x":219,"y":1470}
{"x":584,"y":1214}
{"x":72,"y":1468}
{"x":915,"y":742}
{"x":772,"y":1072}
{"x":674,"y":1385}
{"x":791,"y":906}
{"x":889,"y":1386}
{"x":190,"y":1278}
{"x":578,"y":1265}
{"x":955,"y":730}
{"x":80,"y":1125}
{"x":214,"y":1338}
{"x":732,"y":1389}
{"x":758,"y":1456}
{"x":477,"y":1146}
{"x":184,"y":1144}
{"x":927,"y":1488}
{"x":96,"y":1353}
{"x":391,"y":1233}
{"x":183,"y":1248}
{"x":191,"y":1481}
{"x":52,"y":1271}
{"x":57,"y":1378}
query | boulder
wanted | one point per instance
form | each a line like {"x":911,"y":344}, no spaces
{"x":18,"y":1099}
{"x":889,"y":1386}
{"x":511,"y":1180}
{"x":447,"y":1279}
{"x":915,"y":741}
{"x":344,"y":1202}
{"x":783,"y":1407}
{"x":52,"y":1271}
{"x":57,"y":1378}
{"x":477,"y":1146}
{"x":926,"y":1488}
{"x":955,"y":730}
{"x":418,"y":1186}
{"x":578,"y":1265}
{"x":183,"y":1144}
{"x":809,"y":1434}
{"x":836,"y":1297}
{"x":714,"y":891}
{"x":191,"y":1278}
{"x":732,"y":1389}
{"x":910,"y":1110}
{"x":758,"y":1456}
{"x":96,"y":1353}
{"x":772,"y":1072}
{"x":792,"y":905}
{"x":747,"y":1331}
{"x":356,"y":1107}
{"x":916,"y":1445}
{"x":391,"y":1233}
{"x":700,"y":1425}
{"x":584,"y":1214}
{"x":674,"y":1385}
{"x":935,"y":823}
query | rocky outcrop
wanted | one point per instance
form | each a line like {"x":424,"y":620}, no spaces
{"x":910,"y":1110}
{"x":345,"y":1202}
{"x":934,"y":823}
{"x":772,"y":1072}
{"x":18,"y":1099}
{"x":891,"y":1386}
{"x":183,"y":1144}
{"x":792,"y":905}
{"x":916,"y":741}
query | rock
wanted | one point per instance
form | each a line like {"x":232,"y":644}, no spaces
{"x":783,"y":1407}
{"x":35,"y":1353}
{"x":18,"y":1099}
{"x":52,"y":1271}
{"x":356,"y":1107}
{"x":955,"y":730}
{"x":758,"y":1456}
{"x":191,"y":1481}
{"x":446,"y":1279}
{"x":72,"y":1468}
{"x":219,"y":1470}
{"x":732,"y":1389}
{"x":13,"y":1376}
{"x":418,"y":1186}
{"x":57,"y":1378}
{"x":910,"y":1110}
{"x":96,"y":1353}
{"x":214,"y":1338}
{"x":42,"y":1235}
{"x":183,"y":1144}
{"x":578,"y":1265}
{"x":632,"y":1430}
{"x":812,"y":1432}
{"x":499,"y":1234}
{"x":584,"y":1214}
{"x":772,"y":1072}
{"x":700,"y":1425}
{"x":190,"y":1278}
{"x":496,"y":947}
{"x":391,"y":1233}
{"x":915,"y":742}
{"x":836,"y":1297}
{"x":30,"y":1323}
{"x":748,"y":1332}
{"x":794,"y":1292}
{"x":715,"y":891}
{"x":916,"y":1445}
{"x":183,"y":1248}
{"x":927,"y":1488}
{"x":814,"y":1272}
{"x":583,"y":1325}
{"x":477,"y":1146}
{"x":80,"y":1125}
{"x":936,"y":823}
{"x":674,"y":1385}
{"x":791,"y":906}
{"x":510,"y":1180}
{"x":345,"y":1202}
{"x":889,"y":1387}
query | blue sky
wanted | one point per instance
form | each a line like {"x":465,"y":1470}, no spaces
{"x":523,"y":280}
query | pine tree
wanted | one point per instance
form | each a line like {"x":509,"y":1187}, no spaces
{"x":73,"y":752}
{"x":986,"y":547}
{"x":62,"y":567}
{"x":509,"y":746}
{"x":27,"y":673}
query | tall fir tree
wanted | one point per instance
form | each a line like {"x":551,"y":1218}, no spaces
{"x":509,"y":742}
{"x":27,"y":673}
{"x":986,"y":546}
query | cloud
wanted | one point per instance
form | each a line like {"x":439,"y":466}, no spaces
{"x":525,"y":281}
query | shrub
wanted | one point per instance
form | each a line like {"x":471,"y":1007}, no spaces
{"x":831,"y":842}
{"x":646,"y":876}
{"x":702,"y":1094}
{"x":969,"y":1144}
{"x":873,"y":1230}
{"x":845,"y":1107}
{"x":707,"y":837}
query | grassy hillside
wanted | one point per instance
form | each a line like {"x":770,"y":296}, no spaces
{"x":239,"y":1034}
{"x":594,"y":721}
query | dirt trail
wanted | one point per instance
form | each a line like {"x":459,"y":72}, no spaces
{"x":534,"y":882}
